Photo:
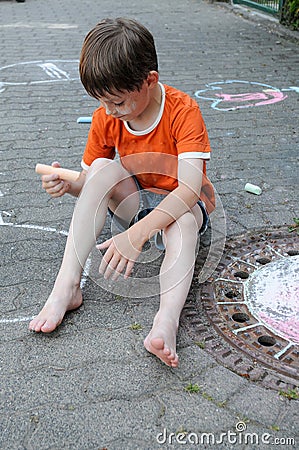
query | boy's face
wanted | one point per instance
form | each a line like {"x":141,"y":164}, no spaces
{"x":127,"y":105}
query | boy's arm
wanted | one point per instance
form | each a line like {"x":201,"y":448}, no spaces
{"x":177,"y":202}
{"x":76,"y":186}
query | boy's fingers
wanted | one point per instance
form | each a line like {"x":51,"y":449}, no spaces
{"x":50,"y":177}
{"x":119,"y":269}
{"x":105,"y":260}
{"x":50,"y":184}
{"x":129,"y":269}
{"x":104,"y":245}
{"x":110,"y":268}
{"x":58,"y":191}
{"x":113,"y":263}
{"x":54,"y":185}
{"x":56,"y":188}
{"x":103,"y":266}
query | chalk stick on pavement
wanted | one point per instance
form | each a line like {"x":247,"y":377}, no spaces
{"x":253,"y":189}
{"x":64,"y":174}
{"x":84,"y":119}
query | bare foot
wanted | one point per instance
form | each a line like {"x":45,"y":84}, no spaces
{"x":161,"y":341}
{"x":61,"y":300}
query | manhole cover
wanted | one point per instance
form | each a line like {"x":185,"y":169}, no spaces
{"x":251,"y":322}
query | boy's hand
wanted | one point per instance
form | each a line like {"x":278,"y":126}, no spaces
{"x":54,"y":185}
{"x":121,"y":254}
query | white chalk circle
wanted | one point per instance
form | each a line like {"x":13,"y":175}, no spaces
{"x":272,"y":294}
{"x":31,"y":73}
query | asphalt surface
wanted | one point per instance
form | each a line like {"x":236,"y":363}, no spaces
{"x":90,"y":384}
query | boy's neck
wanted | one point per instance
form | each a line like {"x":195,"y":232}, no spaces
{"x":148,"y":117}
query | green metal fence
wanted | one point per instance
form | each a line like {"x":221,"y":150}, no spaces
{"x":270,"y":6}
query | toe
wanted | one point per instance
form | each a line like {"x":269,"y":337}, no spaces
{"x":48,"y":326}
{"x":175,"y":361}
{"x":158,"y":348}
{"x":32,"y":325}
{"x":38,"y":326}
{"x":167,"y":353}
{"x":35,"y":325}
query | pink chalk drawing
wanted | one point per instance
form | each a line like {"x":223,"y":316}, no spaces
{"x":272,"y":294}
{"x":232,"y":95}
{"x":287,"y":328}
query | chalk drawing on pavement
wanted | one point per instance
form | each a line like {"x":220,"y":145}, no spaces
{"x":269,"y":294}
{"x":38,"y":72}
{"x":42,"y":229}
{"x":272,"y":294}
{"x":231,"y":95}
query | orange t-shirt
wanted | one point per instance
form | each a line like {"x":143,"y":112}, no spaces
{"x":152,"y":155}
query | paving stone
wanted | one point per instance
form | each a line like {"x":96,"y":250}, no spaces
{"x":91,"y":384}
{"x":216,"y":384}
{"x":257,"y":404}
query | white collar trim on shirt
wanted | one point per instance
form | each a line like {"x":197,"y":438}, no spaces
{"x":159,"y":116}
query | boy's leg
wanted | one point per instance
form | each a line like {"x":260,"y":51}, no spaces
{"x":175,"y":281}
{"x":106,"y":180}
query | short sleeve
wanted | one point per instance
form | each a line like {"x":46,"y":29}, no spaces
{"x":190,"y":133}
{"x":100,"y":142}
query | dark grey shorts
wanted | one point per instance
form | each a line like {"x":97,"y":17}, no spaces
{"x":147,"y":202}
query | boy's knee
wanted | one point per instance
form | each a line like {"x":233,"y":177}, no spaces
{"x":188,"y":229}
{"x":99,"y":164}
{"x":187,"y":223}
{"x":102,"y":168}
{"x":184,"y":228}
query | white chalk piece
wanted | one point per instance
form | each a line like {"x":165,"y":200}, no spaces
{"x":84,"y":119}
{"x":253,"y":189}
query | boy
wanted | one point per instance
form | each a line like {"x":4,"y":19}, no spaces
{"x":163,"y":146}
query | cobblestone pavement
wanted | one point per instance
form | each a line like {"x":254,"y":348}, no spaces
{"x":90,"y":384}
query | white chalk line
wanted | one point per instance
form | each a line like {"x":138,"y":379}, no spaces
{"x":32,"y":227}
{"x":47,"y":229}
{"x":17,"y":320}
{"x":58,"y":26}
{"x":51,"y":230}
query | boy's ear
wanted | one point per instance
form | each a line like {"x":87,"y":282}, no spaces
{"x":152,"y":78}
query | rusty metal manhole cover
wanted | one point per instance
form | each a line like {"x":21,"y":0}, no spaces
{"x":247,"y":313}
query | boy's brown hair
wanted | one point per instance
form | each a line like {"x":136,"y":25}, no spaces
{"x":117,"y":55}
